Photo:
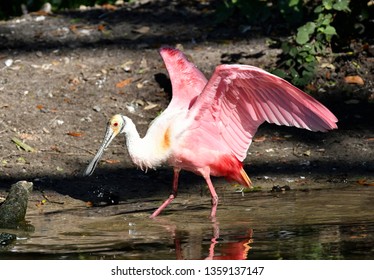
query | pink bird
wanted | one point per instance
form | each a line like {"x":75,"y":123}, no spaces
{"x":209,"y":125}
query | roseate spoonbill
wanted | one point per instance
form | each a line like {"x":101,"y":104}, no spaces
{"x":208,"y":126}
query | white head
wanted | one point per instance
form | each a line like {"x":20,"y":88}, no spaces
{"x":116,"y":125}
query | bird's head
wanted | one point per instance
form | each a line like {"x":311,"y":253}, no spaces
{"x":115,"y":126}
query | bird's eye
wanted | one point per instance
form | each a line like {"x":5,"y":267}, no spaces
{"x":115,"y":124}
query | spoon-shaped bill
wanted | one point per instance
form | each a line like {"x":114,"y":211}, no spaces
{"x":109,"y":136}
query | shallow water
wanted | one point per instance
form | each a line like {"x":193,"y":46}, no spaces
{"x":317,"y":224}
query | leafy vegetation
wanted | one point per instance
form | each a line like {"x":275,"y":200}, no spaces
{"x":301,"y":52}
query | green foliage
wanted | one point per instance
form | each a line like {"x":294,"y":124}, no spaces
{"x":312,"y":41}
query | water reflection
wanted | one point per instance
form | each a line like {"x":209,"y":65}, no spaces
{"x":190,"y":245}
{"x":232,"y":250}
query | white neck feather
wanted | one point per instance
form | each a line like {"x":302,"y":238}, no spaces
{"x":144,"y":152}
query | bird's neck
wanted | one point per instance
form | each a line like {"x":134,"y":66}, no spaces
{"x":144,"y":152}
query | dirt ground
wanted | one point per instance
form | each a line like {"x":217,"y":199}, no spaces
{"x":63,"y":75}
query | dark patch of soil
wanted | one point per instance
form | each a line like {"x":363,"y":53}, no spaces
{"x":59,"y":85}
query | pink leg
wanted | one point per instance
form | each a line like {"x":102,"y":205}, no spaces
{"x":172,"y":195}
{"x":214,"y":196}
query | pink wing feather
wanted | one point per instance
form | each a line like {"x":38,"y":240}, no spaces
{"x":239,"y":98}
{"x":187,"y":81}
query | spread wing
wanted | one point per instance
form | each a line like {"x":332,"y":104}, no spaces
{"x":186,"y":79}
{"x":239,"y":98}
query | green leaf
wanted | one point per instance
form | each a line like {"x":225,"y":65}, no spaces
{"x":294,"y":73}
{"x":318,"y":47}
{"x":293,"y":3}
{"x":309,"y":27}
{"x":310,"y":67}
{"x":293,"y":51}
{"x":309,"y":58}
{"x":304,"y":32}
{"x":327,"y":19}
{"x":308,"y":75}
{"x":330,"y":30}
{"x":307,"y":47}
{"x":327,"y":4}
{"x":289,"y":62}
{"x":279,"y":73}
{"x":321,"y":29}
{"x":318,"y":9}
{"x":285,"y":47}
{"x":341,"y":5}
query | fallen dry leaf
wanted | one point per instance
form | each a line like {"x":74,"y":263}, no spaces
{"x":139,"y":102}
{"x":112,"y":161}
{"x":75,"y":134}
{"x":124,"y":83}
{"x":26,"y":136}
{"x":311,"y":87}
{"x":354,"y":80}
{"x":358,"y":236}
{"x":328,"y":75}
{"x":56,"y":149}
{"x":307,"y":153}
{"x":363,"y":182}
{"x":73,"y":28}
{"x":109,"y":7}
{"x":328,"y":66}
{"x":259,"y":139}
{"x":81,"y":29}
{"x":74,"y":81}
{"x":277,"y":138}
{"x":150,"y":106}
{"x":101,"y":27}
{"x":142,"y":30}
